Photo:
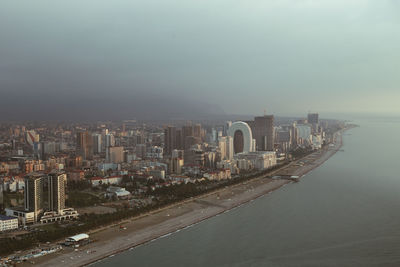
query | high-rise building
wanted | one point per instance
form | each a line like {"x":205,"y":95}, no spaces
{"x":263,"y":132}
{"x":222,"y":147}
{"x":47,"y":148}
{"x":226,"y":127}
{"x":242,"y":137}
{"x":116,"y":154}
{"x":195,"y":156}
{"x":33,"y":193}
{"x":213,"y":135}
{"x":141,"y":151}
{"x":169,"y":140}
{"x":175,"y":165}
{"x":140,"y":139}
{"x":84,"y":145}
{"x":191,"y":141}
{"x":178,"y":153}
{"x":32,"y":137}
{"x":56,"y":191}
{"x":225,"y":145}
{"x":283,"y":138}
{"x":304,"y":131}
{"x":197,"y":131}
{"x":187,"y":130}
{"x":110,"y":140}
{"x":313,"y":118}
{"x":229,"y":148}
{"x":180,"y":142}
{"x":97,"y":144}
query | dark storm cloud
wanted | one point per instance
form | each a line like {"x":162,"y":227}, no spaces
{"x":111,"y":59}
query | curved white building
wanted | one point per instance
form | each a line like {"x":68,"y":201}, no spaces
{"x":242,"y":137}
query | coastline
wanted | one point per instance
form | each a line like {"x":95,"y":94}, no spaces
{"x":140,"y":230}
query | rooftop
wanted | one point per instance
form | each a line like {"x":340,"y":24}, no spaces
{"x":35,"y":175}
{"x":6,"y":218}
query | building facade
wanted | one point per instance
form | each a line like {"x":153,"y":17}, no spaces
{"x":33,"y":194}
{"x":263,"y":132}
{"x":56,"y":191}
{"x":313,"y":118}
{"x":84,"y":145}
{"x":260,"y":160}
{"x":8,"y":223}
{"x":242,"y":137}
{"x":116,"y":154}
{"x":169,"y":140}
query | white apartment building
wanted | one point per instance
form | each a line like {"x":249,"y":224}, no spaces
{"x":8,"y":223}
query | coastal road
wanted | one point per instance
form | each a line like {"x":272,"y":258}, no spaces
{"x":112,"y":239}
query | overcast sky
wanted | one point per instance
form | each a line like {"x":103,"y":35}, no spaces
{"x":239,"y":56}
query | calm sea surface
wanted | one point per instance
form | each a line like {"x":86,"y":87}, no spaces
{"x":344,"y":213}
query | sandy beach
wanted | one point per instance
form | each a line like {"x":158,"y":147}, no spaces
{"x":139,"y":230}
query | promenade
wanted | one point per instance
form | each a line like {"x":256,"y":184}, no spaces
{"x":139,"y":230}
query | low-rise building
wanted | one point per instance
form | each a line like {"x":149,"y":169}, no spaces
{"x":53,"y":216}
{"x":24,"y":217}
{"x":228,"y":164}
{"x":176,"y":179}
{"x":218,"y":175}
{"x":109,"y":166}
{"x":244,"y":164}
{"x":96,"y":181}
{"x":8,"y":223}
{"x":80,"y":239}
{"x":118,"y":192}
{"x":261,"y":160}
{"x":158,"y":174}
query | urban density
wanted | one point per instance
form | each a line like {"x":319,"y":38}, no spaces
{"x":56,"y":178}
{"x":199,"y":133}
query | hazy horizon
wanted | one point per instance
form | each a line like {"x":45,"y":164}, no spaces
{"x":149,"y":59}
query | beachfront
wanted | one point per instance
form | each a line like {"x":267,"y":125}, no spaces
{"x":136,"y":231}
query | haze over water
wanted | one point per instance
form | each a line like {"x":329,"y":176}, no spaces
{"x":344,"y":213}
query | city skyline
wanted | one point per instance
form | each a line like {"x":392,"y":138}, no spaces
{"x":199,"y":133}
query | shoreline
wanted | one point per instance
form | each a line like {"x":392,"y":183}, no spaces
{"x":111,"y":240}
{"x":182,"y":228}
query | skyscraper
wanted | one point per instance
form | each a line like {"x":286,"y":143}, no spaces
{"x":313,"y":118}
{"x":33,"y":193}
{"x":84,"y":145}
{"x":141,"y":151}
{"x":197,"y":131}
{"x":222,"y":147}
{"x":263,"y":132}
{"x":169,"y":140}
{"x":180,"y":142}
{"x":226,"y":127}
{"x":97,"y":144}
{"x":229,"y":148}
{"x":187,"y":130}
{"x":116,"y":154}
{"x":56,"y":191}
{"x":110,"y":140}
{"x":190,"y":141}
